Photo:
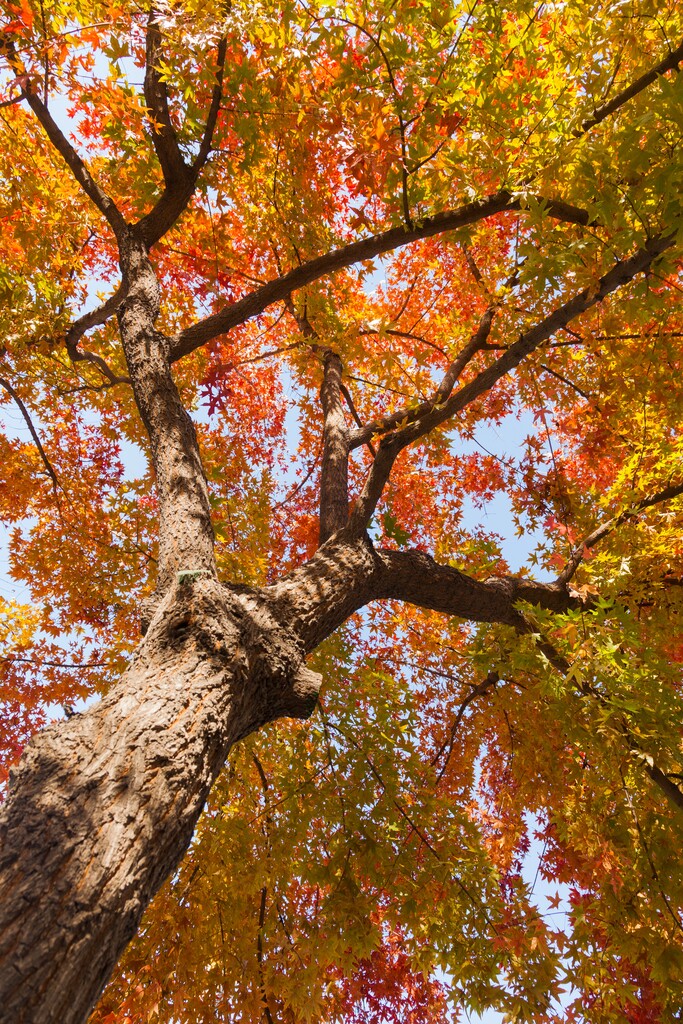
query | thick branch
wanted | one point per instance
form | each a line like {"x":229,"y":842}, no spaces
{"x":346,"y":574}
{"x":334,"y":472}
{"x":186,"y":535}
{"x":164,"y":138}
{"x":417,"y":578}
{"x":365,"y":249}
{"x":172,"y":203}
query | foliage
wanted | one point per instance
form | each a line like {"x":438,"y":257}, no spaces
{"x":374,"y":864}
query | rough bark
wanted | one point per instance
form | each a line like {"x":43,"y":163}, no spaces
{"x":185,"y":532}
{"x":103,"y":806}
{"x":334,"y":471}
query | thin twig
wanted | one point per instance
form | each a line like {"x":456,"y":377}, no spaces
{"x":32,"y":430}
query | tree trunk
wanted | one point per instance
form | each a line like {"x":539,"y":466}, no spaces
{"x":103,"y":806}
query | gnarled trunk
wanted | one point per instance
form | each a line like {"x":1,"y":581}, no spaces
{"x":103,"y":806}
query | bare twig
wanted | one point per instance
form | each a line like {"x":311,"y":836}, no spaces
{"x":488,"y":683}
{"x":32,"y":430}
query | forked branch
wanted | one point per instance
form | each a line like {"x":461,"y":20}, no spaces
{"x":95,"y":318}
{"x":410,"y":414}
{"x":180,"y":179}
{"x":393,"y":443}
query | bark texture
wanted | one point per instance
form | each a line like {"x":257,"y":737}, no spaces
{"x":334,"y":472}
{"x":185,"y":532}
{"x":103,"y":806}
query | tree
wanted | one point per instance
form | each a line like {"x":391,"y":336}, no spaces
{"x":367,"y":234}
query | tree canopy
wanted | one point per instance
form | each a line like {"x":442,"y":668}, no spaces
{"x":292,"y":295}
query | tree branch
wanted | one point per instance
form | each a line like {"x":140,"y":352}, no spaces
{"x":32,"y":430}
{"x":391,"y":444}
{"x":95,"y":318}
{"x":212,"y":118}
{"x":334,"y":472}
{"x":364,"y":249}
{"x":348,"y":398}
{"x":600,"y":113}
{"x":579,"y":552}
{"x":186,"y":538}
{"x":347,"y":573}
{"x":489,"y":682}
{"x":417,"y":578}
{"x":104,"y":203}
{"x":409,"y":414}
{"x":180,"y":179}
{"x":173,"y":167}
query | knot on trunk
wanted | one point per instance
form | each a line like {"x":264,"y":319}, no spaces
{"x":275,"y":655}
{"x":237,"y":628}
